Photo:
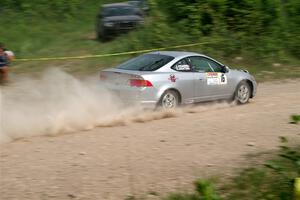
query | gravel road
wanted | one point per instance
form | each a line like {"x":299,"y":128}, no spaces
{"x":154,"y":154}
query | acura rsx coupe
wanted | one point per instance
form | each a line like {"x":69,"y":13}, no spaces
{"x":170,"y":78}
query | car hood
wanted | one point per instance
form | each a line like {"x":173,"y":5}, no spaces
{"x":241,"y":70}
{"x":244,"y":74}
{"x":123,"y":18}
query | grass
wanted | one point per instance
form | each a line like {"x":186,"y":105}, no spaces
{"x":34,"y":37}
{"x":272,"y":181}
{"x":295,"y":119}
{"x":263,"y":71}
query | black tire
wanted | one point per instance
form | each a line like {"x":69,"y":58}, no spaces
{"x":99,"y":37}
{"x":169,"y":100}
{"x":102,"y":35}
{"x":242,"y":93}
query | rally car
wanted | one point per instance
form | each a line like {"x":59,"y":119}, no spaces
{"x":170,"y":78}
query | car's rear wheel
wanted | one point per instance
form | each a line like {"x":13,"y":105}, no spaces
{"x":169,"y":100}
{"x":242,"y":93}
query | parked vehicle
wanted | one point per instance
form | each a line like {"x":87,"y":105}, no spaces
{"x":171,"y":78}
{"x":141,"y":4}
{"x":117,"y":18}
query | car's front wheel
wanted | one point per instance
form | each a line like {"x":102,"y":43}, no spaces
{"x":169,"y":100}
{"x":102,"y":35}
{"x":242,"y":93}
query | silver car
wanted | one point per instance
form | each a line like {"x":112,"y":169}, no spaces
{"x":171,"y":78}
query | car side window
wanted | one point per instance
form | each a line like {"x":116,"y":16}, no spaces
{"x":216,"y":66}
{"x":182,"y":66}
{"x":200,"y":64}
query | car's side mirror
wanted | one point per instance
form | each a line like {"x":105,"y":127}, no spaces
{"x":100,"y":15}
{"x":225,"y":69}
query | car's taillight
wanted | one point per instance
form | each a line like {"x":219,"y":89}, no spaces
{"x":103,"y":77}
{"x":140,"y":83}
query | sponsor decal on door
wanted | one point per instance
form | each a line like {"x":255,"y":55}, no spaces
{"x":215,"y":78}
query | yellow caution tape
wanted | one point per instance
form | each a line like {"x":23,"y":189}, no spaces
{"x":110,"y":54}
{"x":297,"y":189}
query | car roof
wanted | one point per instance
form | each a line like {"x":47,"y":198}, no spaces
{"x":176,"y":53}
{"x":134,"y":2}
{"x":116,"y":5}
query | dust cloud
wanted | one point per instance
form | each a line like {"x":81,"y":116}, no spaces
{"x":57,"y":103}
{"x":52,"y":104}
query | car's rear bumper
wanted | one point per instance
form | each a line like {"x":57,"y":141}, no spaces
{"x":145,"y":97}
{"x":145,"y":104}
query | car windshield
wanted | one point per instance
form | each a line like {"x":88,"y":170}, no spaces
{"x":135,"y":3}
{"x":119,"y":11}
{"x":147,"y":62}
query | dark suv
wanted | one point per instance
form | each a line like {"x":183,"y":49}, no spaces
{"x":141,"y":4}
{"x":117,"y":18}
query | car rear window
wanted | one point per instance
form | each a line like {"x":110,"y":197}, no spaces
{"x":147,"y":62}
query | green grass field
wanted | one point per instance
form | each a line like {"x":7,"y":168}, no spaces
{"x":37,"y":37}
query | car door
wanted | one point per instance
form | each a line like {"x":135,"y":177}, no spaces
{"x":210,"y":82}
{"x":221,"y":89}
{"x":184,"y":77}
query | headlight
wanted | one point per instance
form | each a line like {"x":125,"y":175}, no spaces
{"x":108,"y":24}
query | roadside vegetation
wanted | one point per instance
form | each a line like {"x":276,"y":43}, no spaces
{"x":295,"y":119}
{"x":275,"y":180}
{"x":261,"y":36}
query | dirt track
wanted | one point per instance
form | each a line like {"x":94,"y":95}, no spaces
{"x":156,"y":156}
